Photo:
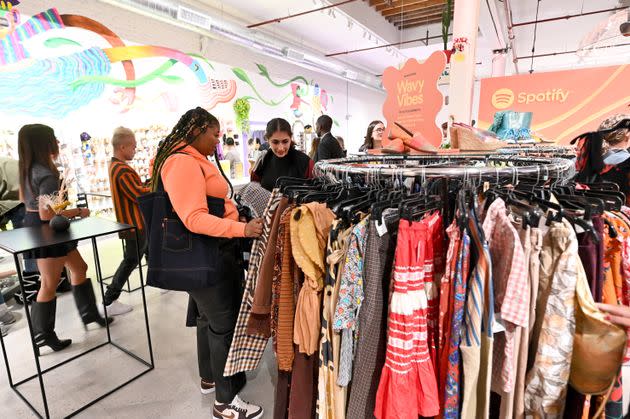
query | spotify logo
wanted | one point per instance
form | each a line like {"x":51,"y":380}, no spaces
{"x":503,"y":98}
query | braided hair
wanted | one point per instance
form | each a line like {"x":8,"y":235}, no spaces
{"x":180,"y":137}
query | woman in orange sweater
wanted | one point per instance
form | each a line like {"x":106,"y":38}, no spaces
{"x":189,"y":177}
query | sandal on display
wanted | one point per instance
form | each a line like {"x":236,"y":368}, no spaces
{"x":416,"y":141}
{"x":393,"y":146}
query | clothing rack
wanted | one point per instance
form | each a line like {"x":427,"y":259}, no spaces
{"x":463,"y":166}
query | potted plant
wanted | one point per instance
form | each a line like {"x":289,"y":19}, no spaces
{"x":447,"y":14}
{"x":241,"y":110}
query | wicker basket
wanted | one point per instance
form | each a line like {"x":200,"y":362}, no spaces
{"x":468,"y":141}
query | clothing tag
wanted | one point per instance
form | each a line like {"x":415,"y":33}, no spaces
{"x":381,"y":227}
{"x":497,"y":326}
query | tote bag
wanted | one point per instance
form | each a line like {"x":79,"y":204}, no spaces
{"x":178,"y":259}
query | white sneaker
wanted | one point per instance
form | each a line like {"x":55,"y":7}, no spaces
{"x":117,"y":308}
{"x":237,"y":409}
{"x":207,"y":387}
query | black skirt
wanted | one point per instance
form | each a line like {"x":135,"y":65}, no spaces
{"x":60,"y":250}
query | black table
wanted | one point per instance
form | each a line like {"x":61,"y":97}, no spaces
{"x":128,"y":290}
{"x":30,"y":238}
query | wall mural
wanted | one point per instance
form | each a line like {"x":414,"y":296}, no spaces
{"x":53,"y":82}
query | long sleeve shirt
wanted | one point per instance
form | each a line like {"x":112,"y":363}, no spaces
{"x":188,"y":178}
{"x":126,"y":186}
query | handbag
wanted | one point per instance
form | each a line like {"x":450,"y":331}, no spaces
{"x":179,"y":259}
{"x":598,"y":347}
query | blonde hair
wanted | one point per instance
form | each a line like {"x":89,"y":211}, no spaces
{"x":121,"y":134}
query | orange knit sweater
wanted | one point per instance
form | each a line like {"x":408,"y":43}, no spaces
{"x":188,"y":178}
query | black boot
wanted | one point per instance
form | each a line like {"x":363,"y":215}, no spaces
{"x":43,"y":316}
{"x":31,"y":287}
{"x":86,"y":303}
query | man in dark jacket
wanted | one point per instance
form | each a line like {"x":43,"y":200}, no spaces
{"x":329,"y":147}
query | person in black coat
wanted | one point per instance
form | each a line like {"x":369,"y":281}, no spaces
{"x":329,"y":147}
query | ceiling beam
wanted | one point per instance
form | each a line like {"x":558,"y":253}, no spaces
{"x":405,"y":18}
{"x":410,"y":8}
{"x":418,"y":13}
{"x":407,"y":25}
{"x":421,"y":21}
{"x":382,"y":5}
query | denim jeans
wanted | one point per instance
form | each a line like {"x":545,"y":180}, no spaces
{"x":126,"y":267}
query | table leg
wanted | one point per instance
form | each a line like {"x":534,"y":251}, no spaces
{"x":99,"y":278}
{"x":144,"y":300}
{"x":30,"y":328}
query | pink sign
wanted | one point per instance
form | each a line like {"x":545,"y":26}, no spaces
{"x":413,"y":98}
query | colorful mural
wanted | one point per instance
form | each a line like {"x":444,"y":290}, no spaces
{"x":57,"y":72}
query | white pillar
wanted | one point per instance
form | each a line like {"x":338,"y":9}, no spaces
{"x":462,"y":77}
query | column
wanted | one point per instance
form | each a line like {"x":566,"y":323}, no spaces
{"x":462,"y":84}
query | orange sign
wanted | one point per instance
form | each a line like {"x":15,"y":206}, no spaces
{"x":413,"y":99}
{"x":564,"y":103}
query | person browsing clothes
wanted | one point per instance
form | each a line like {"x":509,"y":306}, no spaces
{"x":373,"y":137}
{"x":284,"y":159}
{"x":189,"y":178}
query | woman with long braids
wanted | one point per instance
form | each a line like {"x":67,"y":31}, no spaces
{"x":189,"y":178}
{"x":37,"y":148}
{"x":284,"y":159}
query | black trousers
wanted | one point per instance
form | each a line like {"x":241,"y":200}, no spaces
{"x":218,"y":308}
{"x":126,"y":267}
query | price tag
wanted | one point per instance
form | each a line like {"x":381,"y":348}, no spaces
{"x":381,"y":227}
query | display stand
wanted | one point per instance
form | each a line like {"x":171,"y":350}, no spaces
{"x":30,"y":238}
{"x":128,"y":290}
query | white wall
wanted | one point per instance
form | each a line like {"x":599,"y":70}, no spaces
{"x":354,"y":107}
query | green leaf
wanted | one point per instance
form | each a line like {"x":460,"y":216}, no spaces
{"x":336,"y":123}
{"x":60,"y":42}
{"x":172,"y":79}
{"x":242,"y":75}
{"x":262,"y":70}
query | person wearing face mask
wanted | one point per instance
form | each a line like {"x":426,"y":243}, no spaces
{"x":284,"y":159}
{"x":189,"y":178}
{"x":373,"y":137}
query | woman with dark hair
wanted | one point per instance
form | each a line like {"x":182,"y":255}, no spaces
{"x":603,"y":154}
{"x":189,"y":178}
{"x":373,"y":137}
{"x":37,"y":148}
{"x":284,"y":159}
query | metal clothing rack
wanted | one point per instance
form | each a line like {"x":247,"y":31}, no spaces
{"x":482,"y":167}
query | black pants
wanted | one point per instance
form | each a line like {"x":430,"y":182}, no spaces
{"x":218,"y":308}
{"x":126,"y":267}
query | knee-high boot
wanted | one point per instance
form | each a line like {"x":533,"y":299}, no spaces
{"x":86,"y":303}
{"x":43,"y":316}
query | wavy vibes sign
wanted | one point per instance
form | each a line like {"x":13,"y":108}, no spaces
{"x":564,"y":103}
{"x":413,"y":99}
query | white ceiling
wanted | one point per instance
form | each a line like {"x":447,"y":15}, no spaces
{"x":357,"y":25}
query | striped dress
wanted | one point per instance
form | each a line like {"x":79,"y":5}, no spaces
{"x":408,"y":385}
